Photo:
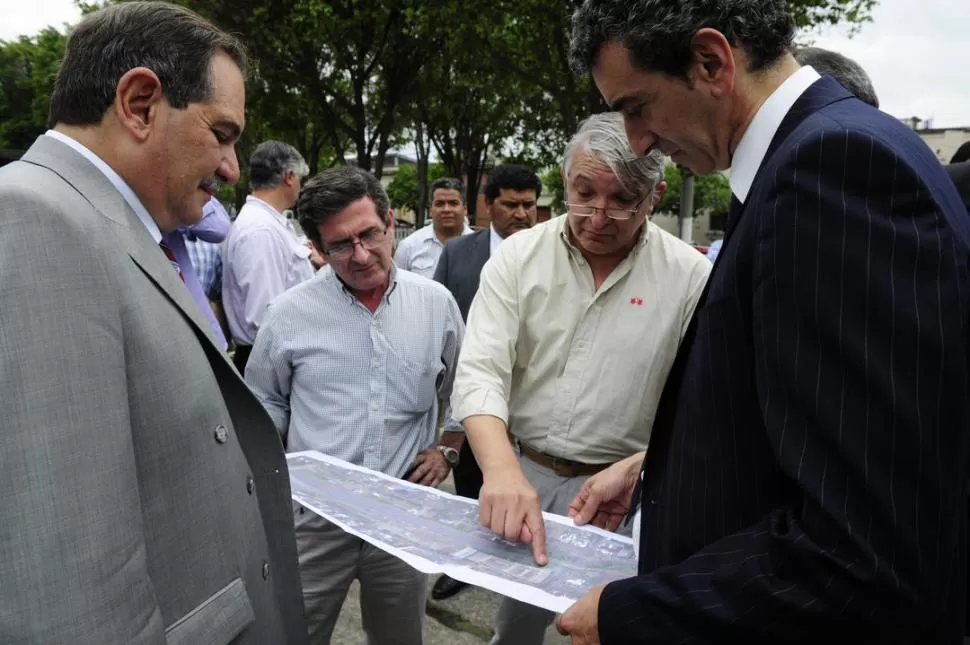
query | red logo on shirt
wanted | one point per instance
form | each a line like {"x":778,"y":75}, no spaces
{"x":636,"y":301}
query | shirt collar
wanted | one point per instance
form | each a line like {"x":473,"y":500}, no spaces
{"x":494,"y":239}
{"x":256,"y":201}
{"x":120,"y":185}
{"x":428,"y":234}
{"x":327,"y":273}
{"x":753,"y":145}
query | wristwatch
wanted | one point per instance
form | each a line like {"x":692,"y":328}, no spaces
{"x":451,"y":455}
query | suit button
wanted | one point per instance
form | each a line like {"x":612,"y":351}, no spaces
{"x":265,"y":570}
{"x":250,"y":485}
{"x":222,"y":434}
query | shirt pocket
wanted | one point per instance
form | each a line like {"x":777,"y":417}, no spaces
{"x":412,"y":382}
{"x":300,"y":268}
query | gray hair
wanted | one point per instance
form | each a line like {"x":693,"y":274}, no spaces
{"x":845,"y":70}
{"x":270,"y":161}
{"x":658,"y":33}
{"x":172,"y":41}
{"x":603,"y":136}
{"x":333,"y":190}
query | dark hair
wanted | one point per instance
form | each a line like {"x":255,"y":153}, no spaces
{"x":172,"y":41}
{"x":447,"y":183}
{"x":511,"y":176}
{"x":962,"y":154}
{"x":331,"y":191}
{"x":843,"y":69}
{"x":658,"y":33}
{"x":270,"y":161}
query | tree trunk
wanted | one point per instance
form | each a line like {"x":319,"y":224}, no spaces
{"x":421,"y":146}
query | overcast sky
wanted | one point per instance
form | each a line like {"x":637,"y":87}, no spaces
{"x":915,"y":50}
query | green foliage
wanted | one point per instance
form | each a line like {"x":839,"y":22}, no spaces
{"x":481,"y":79}
{"x":28,"y":67}
{"x":403,"y":190}
{"x":552,"y":182}
{"x":711,"y":192}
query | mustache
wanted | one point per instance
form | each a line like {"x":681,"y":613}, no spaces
{"x":212,"y":184}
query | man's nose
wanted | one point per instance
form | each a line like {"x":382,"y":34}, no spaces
{"x":641,"y":140}
{"x":229,"y":169}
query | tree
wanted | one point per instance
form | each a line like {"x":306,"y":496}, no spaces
{"x":28,"y":67}
{"x":552,"y":182}
{"x":403,"y":190}
{"x":711,"y":192}
{"x":332,"y":74}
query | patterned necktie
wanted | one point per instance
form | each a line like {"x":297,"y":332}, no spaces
{"x":171,"y":258}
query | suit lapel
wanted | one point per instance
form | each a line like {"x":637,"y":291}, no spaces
{"x":821,"y":93}
{"x":132,"y":236}
{"x":483,"y":247}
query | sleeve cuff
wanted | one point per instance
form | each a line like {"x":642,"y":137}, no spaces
{"x":476,"y":402}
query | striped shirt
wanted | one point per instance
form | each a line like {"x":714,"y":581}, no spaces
{"x":358,"y":386}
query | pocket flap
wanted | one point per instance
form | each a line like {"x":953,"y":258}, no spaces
{"x":216,"y":621}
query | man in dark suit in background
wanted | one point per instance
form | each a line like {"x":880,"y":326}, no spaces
{"x":806,"y":477}
{"x":511,"y":195}
{"x":959,"y":171}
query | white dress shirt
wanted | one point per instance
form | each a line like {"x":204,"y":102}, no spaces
{"x":575,"y":371}
{"x":494,"y":241}
{"x":120,"y":184}
{"x":353,"y":384}
{"x":262,"y":258}
{"x":419,"y":252}
{"x":754,"y":143}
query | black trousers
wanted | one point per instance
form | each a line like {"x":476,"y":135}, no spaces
{"x":467,"y":474}
{"x":241,"y":356}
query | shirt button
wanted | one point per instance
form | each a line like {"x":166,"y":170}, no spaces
{"x":250,"y":485}
{"x":265,"y":570}
{"x":375,"y":407}
{"x":222,"y":434}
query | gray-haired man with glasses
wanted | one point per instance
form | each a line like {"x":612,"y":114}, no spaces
{"x":570,"y":338}
{"x":351,"y":363}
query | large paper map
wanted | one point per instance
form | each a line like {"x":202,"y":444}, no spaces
{"x":436,"y":532}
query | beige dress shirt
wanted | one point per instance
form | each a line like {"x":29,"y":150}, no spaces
{"x":576,"y":372}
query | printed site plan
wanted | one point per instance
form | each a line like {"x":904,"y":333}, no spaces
{"x":436,"y":532}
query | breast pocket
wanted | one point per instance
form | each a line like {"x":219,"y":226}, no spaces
{"x":423,"y":265}
{"x":412,"y":382}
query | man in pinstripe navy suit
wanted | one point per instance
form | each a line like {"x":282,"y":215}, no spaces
{"x":806,"y":476}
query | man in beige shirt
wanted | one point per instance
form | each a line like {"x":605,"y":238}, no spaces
{"x":569,"y":340}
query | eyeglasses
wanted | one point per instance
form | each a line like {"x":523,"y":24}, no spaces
{"x":585,"y":210}
{"x":368,"y":240}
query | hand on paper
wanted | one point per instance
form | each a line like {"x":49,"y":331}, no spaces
{"x":509,"y":506}
{"x":604,"y":499}
{"x":430,"y":468}
{"x":581,"y":621}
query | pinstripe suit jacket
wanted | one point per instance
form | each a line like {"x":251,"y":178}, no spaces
{"x":806,"y":477}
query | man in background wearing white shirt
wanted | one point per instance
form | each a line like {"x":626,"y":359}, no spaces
{"x":419,"y":251}
{"x":263,"y":255}
{"x":569,"y":341}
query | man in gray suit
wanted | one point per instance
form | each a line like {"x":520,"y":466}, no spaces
{"x":511,"y":195}
{"x":144,"y":495}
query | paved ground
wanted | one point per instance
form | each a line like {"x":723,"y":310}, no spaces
{"x":465,"y":619}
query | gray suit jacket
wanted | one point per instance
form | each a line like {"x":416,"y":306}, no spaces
{"x":144,"y":495}
{"x":460,"y":267}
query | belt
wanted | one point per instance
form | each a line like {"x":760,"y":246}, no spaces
{"x":558,"y":465}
